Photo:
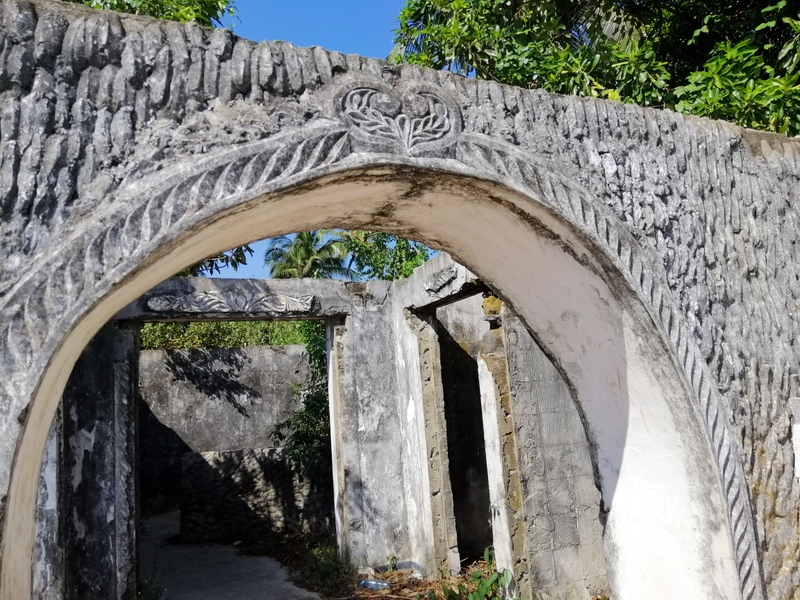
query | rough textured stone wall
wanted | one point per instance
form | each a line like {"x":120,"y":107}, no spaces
{"x":246,"y":494}
{"x":92,"y":102}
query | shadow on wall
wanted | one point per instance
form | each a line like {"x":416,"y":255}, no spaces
{"x":160,"y":452}
{"x":215,"y":373}
{"x":247,"y":495}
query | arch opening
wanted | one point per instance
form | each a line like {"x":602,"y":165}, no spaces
{"x":654,"y":467}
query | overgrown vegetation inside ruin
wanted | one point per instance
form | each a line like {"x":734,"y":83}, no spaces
{"x":315,"y":565}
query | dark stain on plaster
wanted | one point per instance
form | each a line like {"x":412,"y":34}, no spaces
{"x":23,"y":415}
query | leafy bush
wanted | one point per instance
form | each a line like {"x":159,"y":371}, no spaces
{"x":488,"y":583}
{"x":325,"y":572}
{"x":630,"y":51}
{"x":305,"y":435}
{"x":222,"y":334}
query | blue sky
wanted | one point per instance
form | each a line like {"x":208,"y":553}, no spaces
{"x":364,"y":27}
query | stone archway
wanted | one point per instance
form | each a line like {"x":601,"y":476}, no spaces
{"x":262,"y":140}
{"x":590,"y":329}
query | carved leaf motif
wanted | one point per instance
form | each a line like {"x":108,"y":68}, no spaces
{"x":239,"y":302}
{"x":371,"y":111}
{"x":419,"y":118}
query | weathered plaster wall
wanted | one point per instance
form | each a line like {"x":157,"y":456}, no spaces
{"x":209,"y":401}
{"x":546,"y":506}
{"x":703,"y":213}
{"x":368,"y":419}
{"x":222,"y":399}
{"x":561,"y":505}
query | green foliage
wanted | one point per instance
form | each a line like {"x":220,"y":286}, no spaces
{"x":204,"y":12}
{"x":307,"y":254}
{"x":484,"y":583}
{"x":738,"y":85}
{"x":381,"y":255}
{"x":222,"y":334}
{"x":305,"y":435}
{"x":726,"y":59}
{"x":325,"y":572}
{"x":344,"y":255}
{"x":312,"y":336}
{"x":234,"y":258}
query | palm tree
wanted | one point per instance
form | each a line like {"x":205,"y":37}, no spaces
{"x":308,"y":254}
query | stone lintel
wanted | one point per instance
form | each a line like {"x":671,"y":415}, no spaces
{"x":202,"y":298}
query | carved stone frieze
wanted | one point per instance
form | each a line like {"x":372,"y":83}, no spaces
{"x":439,"y":280}
{"x":217,"y":302}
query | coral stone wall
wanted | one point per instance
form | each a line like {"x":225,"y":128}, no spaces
{"x":110,"y":127}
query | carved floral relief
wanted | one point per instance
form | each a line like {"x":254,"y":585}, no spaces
{"x":412,"y":119}
{"x":239,"y":302}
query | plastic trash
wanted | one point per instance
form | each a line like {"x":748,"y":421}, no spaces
{"x":375,"y":584}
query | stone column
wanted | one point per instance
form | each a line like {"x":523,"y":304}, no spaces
{"x":335,"y":334}
{"x":561,"y":502}
{"x":368,"y":426}
{"x":99,"y":483}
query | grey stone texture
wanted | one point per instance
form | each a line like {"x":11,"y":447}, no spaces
{"x":48,"y":574}
{"x":209,"y":401}
{"x":118,"y":134}
{"x":222,"y":399}
{"x":246,"y":495}
{"x":99,"y":482}
{"x":192,"y":298}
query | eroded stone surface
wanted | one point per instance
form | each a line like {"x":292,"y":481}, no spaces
{"x":119,"y":133}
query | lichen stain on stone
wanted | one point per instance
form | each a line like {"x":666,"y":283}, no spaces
{"x":764,"y":144}
{"x":492,"y":305}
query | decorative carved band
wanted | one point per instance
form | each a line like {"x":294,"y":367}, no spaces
{"x":217,"y":302}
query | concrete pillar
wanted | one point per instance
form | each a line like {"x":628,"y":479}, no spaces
{"x":561,"y":501}
{"x":495,"y":465}
{"x":99,"y":482}
{"x":368,"y":426}
{"x":335,"y":334}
